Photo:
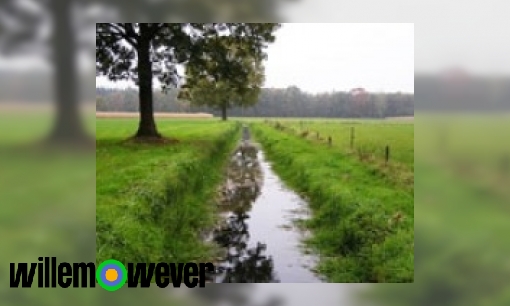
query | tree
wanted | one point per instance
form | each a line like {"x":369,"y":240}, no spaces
{"x":222,"y":90}
{"x":21,"y":35}
{"x":59,"y":30}
{"x":141,"y":51}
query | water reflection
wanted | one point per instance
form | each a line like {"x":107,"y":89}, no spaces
{"x":242,"y":263}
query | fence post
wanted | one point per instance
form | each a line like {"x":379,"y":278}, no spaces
{"x":330,"y":141}
{"x":387,"y":154}
{"x":352,"y":137}
{"x":317,"y":133}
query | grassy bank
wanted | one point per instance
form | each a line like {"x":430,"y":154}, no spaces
{"x":153,"y":201}
{"x":363,"y":220}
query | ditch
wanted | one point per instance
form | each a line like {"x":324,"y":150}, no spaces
{"x":260,"y":232}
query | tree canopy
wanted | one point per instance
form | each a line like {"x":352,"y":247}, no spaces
{"x":141,"y":51}
{"x":205,"y":87}
{"x":58,"y":31}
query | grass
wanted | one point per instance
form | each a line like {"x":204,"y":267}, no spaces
{"x":370,"y":137}
{"x":153,"y":201}
{"x":363,"y":218}
{"x":48,"y":208}
{"x":32,"y":126}
{"x":461,"y":201}
{"x":460,"y":228}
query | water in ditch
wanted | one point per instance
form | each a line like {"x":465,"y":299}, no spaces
{"x":261,"y":238}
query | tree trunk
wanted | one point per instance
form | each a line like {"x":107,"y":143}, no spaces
{"x":224,"y":112}
{"x":147,"y":125}
{"x":68,"y":127}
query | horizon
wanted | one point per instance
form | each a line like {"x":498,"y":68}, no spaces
{"x":134,"y":88}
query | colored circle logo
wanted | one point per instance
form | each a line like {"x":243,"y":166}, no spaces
{"x":111,"y":275}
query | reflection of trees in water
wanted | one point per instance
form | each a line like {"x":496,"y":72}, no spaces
{"x":242,"y":264}
{"x":244,"y":178}
{"x":250,"y":266}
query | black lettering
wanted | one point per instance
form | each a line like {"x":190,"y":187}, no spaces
{"x":46,"y":272}
{"x":188,"y":274}
{"x":22,"y":274}
{"x":54,"y":272}
{"x":137,"y":276}
{"x":62,"y":282}
{"x":132,"y":276}
{"x":176,"y":274}
{"x":162,"y":275}
{"x":40,"y":273}
{"x":203,"y":268}
{"x":81,"y":269}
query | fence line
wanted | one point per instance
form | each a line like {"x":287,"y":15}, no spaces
{"x":327,"y":140}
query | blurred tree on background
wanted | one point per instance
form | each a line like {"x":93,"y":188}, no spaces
{"x":52,"y":213}
{"x":60,"y":32}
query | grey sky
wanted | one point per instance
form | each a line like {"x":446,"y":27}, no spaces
{"x":340,"y":56}
{"x":457,"y":33}
{"x":336,"y":56}
{"x":466,"y":33}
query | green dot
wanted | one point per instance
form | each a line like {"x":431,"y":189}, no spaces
{"x":100,"y":269}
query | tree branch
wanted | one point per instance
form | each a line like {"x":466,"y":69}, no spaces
{"x":123,"y":32}
{"x":130,"y":30}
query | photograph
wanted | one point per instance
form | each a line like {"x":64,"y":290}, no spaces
{"x":255,"y":152}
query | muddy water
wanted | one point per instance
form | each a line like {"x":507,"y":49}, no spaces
{"x":261,"y":239}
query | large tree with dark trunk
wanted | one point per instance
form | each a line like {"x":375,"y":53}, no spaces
{"x":58,"y":30}
{"x":143,"y":51}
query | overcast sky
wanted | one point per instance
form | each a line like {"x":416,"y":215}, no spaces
{"x":470,"y":34}
{"x":339,"y":56}
{"x":322,"y":57}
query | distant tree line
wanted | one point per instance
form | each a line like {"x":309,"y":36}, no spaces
{"x":273,"y":102}
{"x":468,"y":93}
{"x":37,"y":86}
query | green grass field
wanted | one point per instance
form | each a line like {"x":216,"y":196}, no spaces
{"x":154,"y":201}
{"x":461,"y":213}
{"x":33,"y":126}
{"x":370,"y":136}
{"x":363,"y":211}
{"x":461,"y":206}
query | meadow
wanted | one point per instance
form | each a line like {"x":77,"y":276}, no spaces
{"x":363,"y":210}
{"x":155,"y":201}
{"x":461,"y":206}
{"x":370,"y":137}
